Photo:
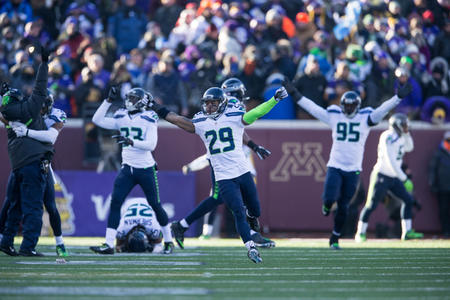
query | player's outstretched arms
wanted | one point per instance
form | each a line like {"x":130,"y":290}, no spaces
{"x":262,"y":109}
{"x":99,"y":117}
{"x":46,"y":136}
{"x":262,"y":152}
{"x":381,"y":111}
{"x":174,"y":118}
{"x":307,"y":104}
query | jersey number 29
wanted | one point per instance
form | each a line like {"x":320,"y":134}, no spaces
{"x":225,"y":136}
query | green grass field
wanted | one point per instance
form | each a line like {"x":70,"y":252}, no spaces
{"x":220,"y":269}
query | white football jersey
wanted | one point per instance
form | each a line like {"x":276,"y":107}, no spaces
{"x":349,"y":138}
{"x":140,"y":126}
{"x":391,"y":149}
{"x":248,"y":155}
{"x":137,"y":211}
{"x":55,"y":116}
{"x":223,"y":141}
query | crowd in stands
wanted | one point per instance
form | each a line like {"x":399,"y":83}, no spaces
{"x":178,"y":49}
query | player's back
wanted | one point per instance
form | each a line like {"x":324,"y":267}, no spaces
{"x":223,"y":140}
{"x":349,"y":138}
{"x":137,"y":211}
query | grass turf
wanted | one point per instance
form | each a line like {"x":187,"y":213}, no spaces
{"x":220,"y":269}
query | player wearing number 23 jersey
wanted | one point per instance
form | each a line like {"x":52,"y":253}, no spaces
{"x":350,"y":127}
{"x":220,"y":125}
{"x":138,"y":137}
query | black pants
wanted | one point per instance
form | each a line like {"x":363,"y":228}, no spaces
{"x":444,"y":211}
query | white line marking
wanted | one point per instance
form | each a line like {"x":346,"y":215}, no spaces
{"x":120,"y":262}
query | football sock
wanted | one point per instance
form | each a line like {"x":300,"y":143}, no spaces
{"x":59,"y":240}
{"x":207,"y":229}
{"x":167,"y":234}
{"x":249,"y":244}
{"x":362,"y":227}
{"x":184,"y":223}
{"x":110,"y":236}
{"x":406,"y":225}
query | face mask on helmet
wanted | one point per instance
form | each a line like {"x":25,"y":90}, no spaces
{"x":136,"y":99}
{"x":214,"y":101}
{"x":137,"y":240}
{"x":235,"y":88}
{"x":47,"y":105}
{"x":350,"y":103}
{"x":399,"y":123}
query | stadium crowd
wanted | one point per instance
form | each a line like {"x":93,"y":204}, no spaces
{"x":178,"y":49}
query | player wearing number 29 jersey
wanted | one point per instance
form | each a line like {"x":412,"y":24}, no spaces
{"x":220,"y":125}
{"x":350,"y":127}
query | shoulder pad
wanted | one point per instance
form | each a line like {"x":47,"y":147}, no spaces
{"x":120,"y":113}
{"x":334,"y":109}
{"x":58,"y":115}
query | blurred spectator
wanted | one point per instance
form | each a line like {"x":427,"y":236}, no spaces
{"x":442,"y":42}
{"x":86,"y":91}
{"x":340,"y":84}
{"x":62,"y":88}
{"x":438,"y":84}
{"x":439,"y":173}
{"x":380,"y":83}
{"x":274,"y":30}
{"x":228,"y":43}
{"x":436,"y":110}
{"x":181,"y":32}
{"x":135,"y":68}
{"x":127,"y":26}
{"x":411,"y":104}
{"x":253,"y":71}
{"x":282,"y":57}
{"x":167,"y":16}
{"x":19,"y":11}
{"x":285,"y":110}
{"x":167,"y":88}
{"x":305,"y":29}
{"x":71,"y":36}
{"x":100,"y":76}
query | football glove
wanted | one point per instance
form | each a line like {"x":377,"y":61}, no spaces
{"x":409,"y":186}
{"x":185,"y":169}
{"x":112,"y":94}
{"x":45,"y":53}
{"x":124,"y":141}
{"x":262,"y":152}
{"x":404,"y":90}
{"x":292,"y":90}
{"x":280,"y":94}
{"x":19,"y":129}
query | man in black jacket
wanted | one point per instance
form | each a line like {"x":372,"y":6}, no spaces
{"x":30,"y":160}
{"x":438,"y":176}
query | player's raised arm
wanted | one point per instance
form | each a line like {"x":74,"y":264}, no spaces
{"x":307,"y":104}
{"x":262,"y":152}
{"x":381,"y":111}
{"x":100,"y":118}
{"x":262,"y":109}
{"x":174,"y":118}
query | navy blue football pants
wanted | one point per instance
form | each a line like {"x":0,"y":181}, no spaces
{"x":29,"y":182}
{"x":126,"y":180}
{"x":13,"y":191}
{"x":236,"y":193}
{"x":379,"y":186}
{"x":340,"y":186}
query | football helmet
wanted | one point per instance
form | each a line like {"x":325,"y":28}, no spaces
{"x":214,"y":94}
{"x":47,"y":105}
{"x":137,"y":99}
{"x":350,"y":104}
{"x":11,"y":96}
{"x":399,"y":122}
{"x":235,"y":88}
{"x":138,"y":240}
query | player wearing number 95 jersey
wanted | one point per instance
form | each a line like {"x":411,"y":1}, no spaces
{"x":138,"y":137}
{"x":350,"y":127}
{"x":221,"y":127}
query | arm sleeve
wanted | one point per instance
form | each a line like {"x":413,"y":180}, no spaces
{"x":39,"y":93}
{"x":381,"y":111}
{"x":151,"y":138}
{"x":318,"y":112}
{"x":46,"y":136}
{"x":392,"y":157}
{"x":99,"y":118}
{"x":409,"y":143}
{"x":198,"y":164}
{"x":259,"y":111}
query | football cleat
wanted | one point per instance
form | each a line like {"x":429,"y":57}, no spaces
{"x":262,"y":242}
{"x":204,"y":237}
{"x":412,"y":235}
{"x":253,"y":254}
{"x":168,"y":247}
{"x":30,"y":253}
{"x":61,"y":251}
{"x":253,"y":222}
{"x":334,"y":242}
{"x":103,"y":249}
{"x":360,"y":237}
{"x":9,"y":250}
{"x":325,"y":210}
{"x":335,"y":246}
{"x":178,"y":232}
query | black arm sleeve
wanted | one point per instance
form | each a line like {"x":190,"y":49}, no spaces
{"x":34,"y":104}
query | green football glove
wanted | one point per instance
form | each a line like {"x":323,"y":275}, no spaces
{"x":409,"y":186}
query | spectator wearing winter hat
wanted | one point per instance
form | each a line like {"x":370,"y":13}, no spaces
{"x":442,"y":42}
{"x":287,"y":108}
{"x":167,"y":16}
{"x":304,"y":30}
{"x":71,"y":36}
{"x":62,"y":88}
{"x":438,"y":84}
{"x":436,"y":110}
{"x":274,"y":22}
{"x":410,"y":105}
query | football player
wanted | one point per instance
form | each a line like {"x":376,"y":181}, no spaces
{"x":387,"y":175}
{"x":54,"y":120}
{"x":138,"y":137}
{"x":220,"y":125}
{"x":350,"y":127}
{"x":138,"y":230}
{"x":235,"y":91}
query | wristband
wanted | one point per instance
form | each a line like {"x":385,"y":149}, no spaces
{"x":161,"y":110}
{"x":252,"y":145}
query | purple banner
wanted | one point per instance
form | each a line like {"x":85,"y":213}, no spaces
{"x":84,"y":197}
